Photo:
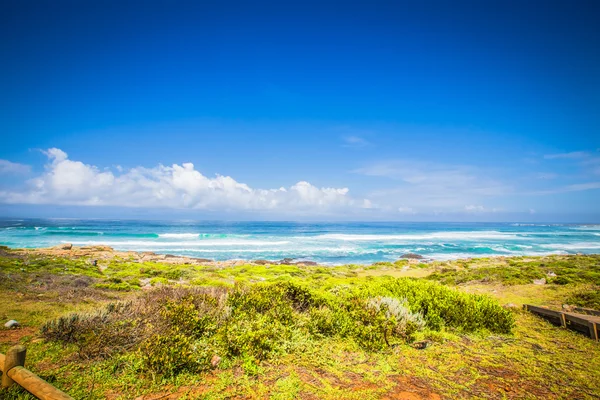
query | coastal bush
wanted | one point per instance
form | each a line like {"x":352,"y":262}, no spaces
{"x":558,"y":270}
{"x":258,"y":336}
{"x":442,"y":306}
{"x":169,"y":354}
{"x":586,"y":298}
{"x":184,"y":327}
{"x":100,"y":334}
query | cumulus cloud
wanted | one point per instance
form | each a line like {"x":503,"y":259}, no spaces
{"x":471,"y":208}
{"x":8,"y":167}
{"x":71,"y":182}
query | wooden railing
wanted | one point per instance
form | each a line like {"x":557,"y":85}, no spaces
{"x":587,"y":324}
{"x":13,"y":370}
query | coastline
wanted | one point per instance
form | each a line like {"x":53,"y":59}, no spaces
{"x":103,"y":253}
{"x":327,"y":244}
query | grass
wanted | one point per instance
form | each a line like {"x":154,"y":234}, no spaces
{"x":287,"y":332}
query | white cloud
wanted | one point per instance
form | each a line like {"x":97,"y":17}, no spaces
{"x":474,"y":208}
{"x":355,"y":142}
{"x":577,"y":187}
{"x":480,"y":209}
{"x":178,"y":186}
{"x":574,"y":155}
{"x":8,"y":167}
{"x":425,"y":186}
{"x":587,"y":161}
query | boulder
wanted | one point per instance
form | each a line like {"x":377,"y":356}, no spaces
{"x":412,"y":256}
{"x":64,"y":246}
{"x":286,"y":261}
{"x":539,"y":281}
{"x":215,"y":360}
{"x":307,"y":263}
{"x":11,"y":324}
{"x":262,"y":262}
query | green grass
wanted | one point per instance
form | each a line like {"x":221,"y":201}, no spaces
{"x":287,"y":331}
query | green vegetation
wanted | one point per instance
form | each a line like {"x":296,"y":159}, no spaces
{"x":122,"y":329}
{"x":589,"y":298}
{"x":560,"y":270}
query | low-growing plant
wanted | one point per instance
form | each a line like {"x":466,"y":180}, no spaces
{"x":586,"y":298}
{"x":169,"y":354}
{"x":178,"y":329}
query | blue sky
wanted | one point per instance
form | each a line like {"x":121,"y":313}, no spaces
{"x":432,"y":110}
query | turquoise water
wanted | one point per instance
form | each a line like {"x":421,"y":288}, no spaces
{"x":329,"y":243}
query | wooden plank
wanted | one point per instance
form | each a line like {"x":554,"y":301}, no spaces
{"x":584,"y":317}
{"x":581,"y":323}
{"x":36,"y":385}
{"x":544,"y":311}
{"x":588,"y":311}
{"x":555,"y":317}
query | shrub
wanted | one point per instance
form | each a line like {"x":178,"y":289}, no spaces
{"x":179,"y":329}
{"x":169,"y":354}
{"x":195,"y":316}
{"x":258,"y":336}
{"x":443,"y":306}
{"x":397,"y":314}
{"x":586,"y":298}
{"x":98,"y":335}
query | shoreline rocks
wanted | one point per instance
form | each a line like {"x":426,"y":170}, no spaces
{"x":412,"y":256}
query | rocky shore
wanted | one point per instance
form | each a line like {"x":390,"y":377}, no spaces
{"x":103,"y":254}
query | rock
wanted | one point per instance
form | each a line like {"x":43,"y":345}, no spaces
{"x":83,"y":281}
{"x":422,"y":344}
{"x":568,"y":308}
{"x":64,"y":246}
{"x":11,"y":324}
{"x":262,"y":262}
{"x":286,"y":261}
{"x":539,"y":281}
{"x":510,"y":305}
{"x":412,"y":256}
{"x":307,"y":263}
{"x":215,"y":360}
{"x":551,"y":274}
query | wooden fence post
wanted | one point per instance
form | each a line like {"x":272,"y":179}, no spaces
{"x":15,"y":357}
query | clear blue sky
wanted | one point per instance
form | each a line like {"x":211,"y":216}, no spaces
{"x":452,"y":110}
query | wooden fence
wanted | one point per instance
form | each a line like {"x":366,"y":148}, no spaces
{"x":13,"y":370}
{"x":587,"y":324}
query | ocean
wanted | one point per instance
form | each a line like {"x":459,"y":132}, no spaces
{"x":327,"y":243}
